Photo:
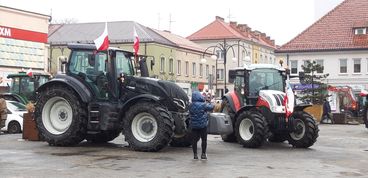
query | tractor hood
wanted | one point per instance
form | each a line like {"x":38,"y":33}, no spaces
{"x":171,"y":94}
{"x":274,"y":99}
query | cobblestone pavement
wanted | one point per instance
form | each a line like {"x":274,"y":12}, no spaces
{"x":340,"y":151}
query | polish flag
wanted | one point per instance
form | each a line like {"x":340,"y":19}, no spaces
{"x":136,"y":43}
{"x":102,"y":42}
{"x":29,"y":72}
{"x":288,"y":99}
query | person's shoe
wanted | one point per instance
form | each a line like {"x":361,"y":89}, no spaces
{"x":195,"y":157}
{"x":204,"y":156}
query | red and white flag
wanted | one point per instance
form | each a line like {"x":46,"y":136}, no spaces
{"x":29,"y":72}
{"x":102,"y":42}
{"x":288,"y":99}
{"x":136,"y":43}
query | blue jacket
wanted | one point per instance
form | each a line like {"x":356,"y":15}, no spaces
{"x":198,"y":111}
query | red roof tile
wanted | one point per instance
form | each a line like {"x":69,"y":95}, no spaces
{"x":219,"y":29}
{"x":334,"y":31}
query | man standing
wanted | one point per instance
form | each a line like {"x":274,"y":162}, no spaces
{"x":326,"y":118}
{"x":3,"y":108}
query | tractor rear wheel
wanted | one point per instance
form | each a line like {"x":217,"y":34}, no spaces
{"x":61,"y":116}
{"x":104,"y":136}
{"x":226,"y":109}
{"x":148,"y":127}
{"x":251,"y":129}
{"x":305,"y":130}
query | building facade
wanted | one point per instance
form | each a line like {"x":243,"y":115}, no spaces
{"x":338,"y":42}
{"x":239,"y":43}
{"x":23,"y":41}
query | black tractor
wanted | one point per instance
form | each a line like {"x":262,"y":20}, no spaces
{"x":258,"y":109}
{"x":101,"y":95}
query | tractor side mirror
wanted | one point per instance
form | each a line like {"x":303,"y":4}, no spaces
{"x":301,"y":77}
{"x":232,"y":75}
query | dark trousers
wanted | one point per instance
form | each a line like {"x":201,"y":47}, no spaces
{"x":202,"y":134}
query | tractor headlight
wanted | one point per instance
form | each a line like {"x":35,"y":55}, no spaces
{"x":180,"y":103}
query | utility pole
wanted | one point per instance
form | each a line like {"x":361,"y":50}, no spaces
{"x":229,"y":16}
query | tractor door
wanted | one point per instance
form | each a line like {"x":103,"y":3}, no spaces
{"x":91,"y":67}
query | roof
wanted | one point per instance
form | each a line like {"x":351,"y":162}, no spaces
{"x":334,"y":31}
{"x":118,"y":32}
{"x":219,"y":30}
{"x":24,"y":11}
{"x":180,"y":41}
{"x":216,"y":30}
{"x":260,"y":66}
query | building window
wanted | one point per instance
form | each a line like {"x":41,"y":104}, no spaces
{"x":360,"y":31}
{"x":207,"y":70}
{"x":357,"y":63}
{"x":220,"y":54}
{"x":220,"y":74}
{"x":200,"y":70}
{"x":343,"y":66}
{"x":320,"y":63}
{"x":194,"y":69}
{"x":186,"y":68}
{"x":162,"y":64}
{"x":294,"y":67}
{"x":178,"y":68}
{"x":171,"y":66}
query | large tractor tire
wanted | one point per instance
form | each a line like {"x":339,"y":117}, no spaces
{"x":103,"y":136}
{"x":251,"y":129}
{"x":61,"y":116}
{"x":226,"y":109}
{"x":306,"y":130}
{"x":148,"y":127}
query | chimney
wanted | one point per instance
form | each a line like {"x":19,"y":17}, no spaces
{"x":268,"y":38}
{"x":243,"y":27}
{"x":219,"y":18}
{"x":233,"y":24}
{"x":263,"y":35}
{"x":273,"y":42}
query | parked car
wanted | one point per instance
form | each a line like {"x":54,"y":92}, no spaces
{"x":14,"y":121}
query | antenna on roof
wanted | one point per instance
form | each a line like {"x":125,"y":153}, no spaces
{"x":170,"y":21}
{"x":229,"y":16}
{"x":159,"y":20}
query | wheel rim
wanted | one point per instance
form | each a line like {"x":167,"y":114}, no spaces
{"x":57,"y":115}
{"x":144,"y":127}
{"x":246,"y":129}
{"x":299,"y":130}
{"x":13,"y":128}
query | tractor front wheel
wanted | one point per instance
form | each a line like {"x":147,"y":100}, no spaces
{"x":251,"y":129}
{"x":305,"y":130}
{"x":148,"y":127}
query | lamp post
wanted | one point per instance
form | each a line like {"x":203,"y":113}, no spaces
{"x":224,"y":48}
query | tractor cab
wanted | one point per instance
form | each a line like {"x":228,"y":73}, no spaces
{"x":251,"y":80}
{"x":23,"y":86}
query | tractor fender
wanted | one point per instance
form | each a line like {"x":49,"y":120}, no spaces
{"x":245,"y":108}
{"x":135,"y":99}
{"x":83,"y":92}
{"x":301,"y":107}
{"x":234,"y":101}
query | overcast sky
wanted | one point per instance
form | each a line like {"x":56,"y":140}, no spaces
{"x":280,"y":19}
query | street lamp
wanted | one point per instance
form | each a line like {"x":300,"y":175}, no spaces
{"x":224,"y":48}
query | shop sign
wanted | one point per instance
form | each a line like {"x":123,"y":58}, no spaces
{"x":6,"y":32}
{"x":21,"y":34}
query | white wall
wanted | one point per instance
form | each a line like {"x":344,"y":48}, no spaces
{"x":331,"y":64}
